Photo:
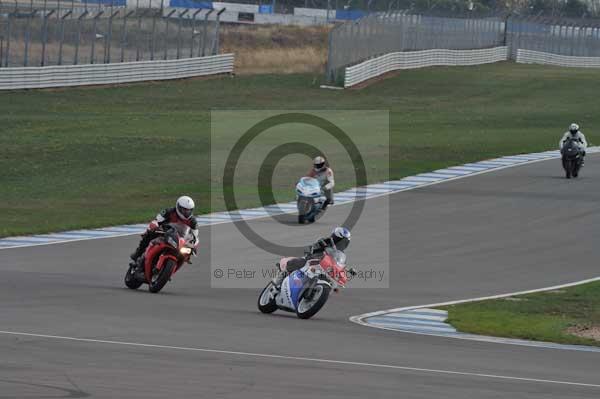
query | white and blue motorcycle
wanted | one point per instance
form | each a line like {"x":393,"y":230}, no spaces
{"x":306,"y":290}
{"x":309,"y":199}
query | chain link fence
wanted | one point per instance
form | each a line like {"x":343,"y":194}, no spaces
{"x":579,"y":38}
{"x":382,"y":33}
{"x":42,"y":37}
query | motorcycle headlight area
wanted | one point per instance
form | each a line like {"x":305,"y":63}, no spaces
{"x":185,"y":251}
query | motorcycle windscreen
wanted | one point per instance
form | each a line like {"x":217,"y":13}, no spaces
{"x":308,"y":186}
{"x":296,"y":280}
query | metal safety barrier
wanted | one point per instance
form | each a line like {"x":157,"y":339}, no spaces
{"x":126,"y":72}
{"x":419,"y":59}
{"x":538,"y":57}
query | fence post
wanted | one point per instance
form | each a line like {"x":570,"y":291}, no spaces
{"x":507,"y":32}
{"x":153,"y":35}
{"x":205,"y":32}
{"x":8,"y":33}
{"x":137,"y":38}
{"x":181,"y":14}
{"x":194,"y":25}
{"x":94,"y":26}
{"x":28,"y":37}
{"x":216,"y":42}
{"x":62,"y":35}
{"x":329,"y":70}
{"x":168,"y":17}
{"x":108,"y":37}
{"x":45,"y":36}
{"x":124,"y":34}
{"x":76,"y":56}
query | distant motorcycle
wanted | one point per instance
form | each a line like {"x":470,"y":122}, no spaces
{"x":309,"y":199}
{"x":572,"y":158}
{"x":164,"y":257}
{"x":306,"y":290}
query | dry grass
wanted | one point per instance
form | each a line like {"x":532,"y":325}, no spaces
{"x":259,"y":49}
{"x":276,"y":48}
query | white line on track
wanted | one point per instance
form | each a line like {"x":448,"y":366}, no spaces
{"x":308,"y":359}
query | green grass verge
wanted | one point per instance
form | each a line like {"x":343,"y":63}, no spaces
{"x":542,"y":316}
{"x":86,"y":157}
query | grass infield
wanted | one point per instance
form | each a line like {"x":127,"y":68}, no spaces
{"x":551,"y":316}
{"x":91,"y":157}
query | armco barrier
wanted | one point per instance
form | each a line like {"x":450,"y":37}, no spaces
{"x":419,"y":59}
{"x":538,"y":57}
{"x":95,"y":74}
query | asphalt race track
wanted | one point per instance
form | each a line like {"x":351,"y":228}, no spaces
{"x":515,"y":229}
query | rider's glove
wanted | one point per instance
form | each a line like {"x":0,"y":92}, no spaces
{"x":153,"y":225}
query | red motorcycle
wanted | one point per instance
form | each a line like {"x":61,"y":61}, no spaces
{"x":164,"y":256}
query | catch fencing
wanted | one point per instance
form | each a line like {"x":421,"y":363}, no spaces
{"x":579,"y":38}
{"x":43,"y":37}
{"x":378,"y":34}
{"x":126,"y":72}
{"x":419,"y":59}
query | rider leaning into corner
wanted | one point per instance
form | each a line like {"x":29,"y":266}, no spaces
{"x":324,"y":174}
{"x":339,"y":239}
{"x":575,"y":134}
{"x":183,"y":212}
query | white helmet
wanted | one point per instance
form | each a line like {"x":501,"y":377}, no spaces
{"x":185,"y":207}
{"x":574,"y":128}
{"x":341,"y":237}
{"x":319,"y":164}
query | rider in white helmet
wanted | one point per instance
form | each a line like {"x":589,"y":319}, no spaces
{"x":183,"y":212}
{"x":575,"y":134}
{"x":324,"y":174}
{"x":339,"y":238}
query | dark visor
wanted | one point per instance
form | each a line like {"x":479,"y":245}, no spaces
{"x":186,"y":212}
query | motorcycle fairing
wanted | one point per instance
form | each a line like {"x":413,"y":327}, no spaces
{"x":284,"y":299}
{"x":297,"y":281}
{"x":151,"y":252}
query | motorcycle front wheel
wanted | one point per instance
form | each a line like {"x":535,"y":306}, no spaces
{"x":161,"y":277}
{"x":568,"y":168}
{"x":312,"y":301}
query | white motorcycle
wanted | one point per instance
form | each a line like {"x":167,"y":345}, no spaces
{"x":309,"y":199}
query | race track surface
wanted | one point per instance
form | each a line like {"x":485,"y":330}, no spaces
{"x":515,"y":229}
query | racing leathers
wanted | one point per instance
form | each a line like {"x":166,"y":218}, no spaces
{"x":168,"y":215}
{"x":325,"y":178}
{"x":579,"y":138}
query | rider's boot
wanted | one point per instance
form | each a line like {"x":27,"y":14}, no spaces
{"x":138,"y":252}
{"x":278,"y":280}
{"x":138,"y":265}
{"x":141,"y":248}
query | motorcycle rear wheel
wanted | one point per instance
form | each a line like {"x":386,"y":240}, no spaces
{"x":162,"y":277}
{"x":130,"y":281}
{"x":321,"y":291}
{"x":266,"y":302}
